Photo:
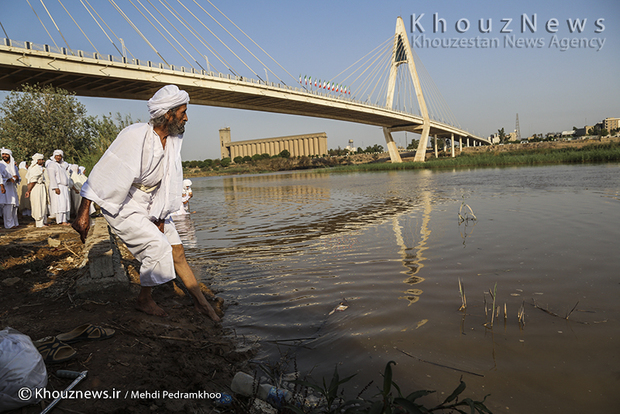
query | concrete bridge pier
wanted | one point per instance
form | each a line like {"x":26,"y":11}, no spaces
{"x":452,"y":144}
{"x":391,"y":146}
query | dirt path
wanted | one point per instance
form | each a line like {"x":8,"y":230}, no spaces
{"x":184,"y":352}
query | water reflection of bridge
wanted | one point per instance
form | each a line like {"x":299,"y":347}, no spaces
{"x":411,"y":238}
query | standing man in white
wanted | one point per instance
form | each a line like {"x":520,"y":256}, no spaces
{"x":137,"y":183}
{"x":60,"y":185}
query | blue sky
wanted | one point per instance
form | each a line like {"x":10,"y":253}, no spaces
{"x":550,"y":89}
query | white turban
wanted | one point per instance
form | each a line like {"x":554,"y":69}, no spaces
{"x":58,"y":152}
{"x":35,"y":158}
{"x":81,"y":170}
{"x":11,"y":167}
{"x":187,"y":183}
{"x":168,"y":97}
{"x":22,"y":165}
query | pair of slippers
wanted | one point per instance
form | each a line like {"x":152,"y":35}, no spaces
{"x":55,"y":349}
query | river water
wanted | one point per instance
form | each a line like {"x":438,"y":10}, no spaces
{"x":286,"y":249}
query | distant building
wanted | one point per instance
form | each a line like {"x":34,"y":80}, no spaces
{"x":296,"y":145}
{"x":611,"y":123}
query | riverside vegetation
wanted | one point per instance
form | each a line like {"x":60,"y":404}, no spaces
{"x":571,"y":152}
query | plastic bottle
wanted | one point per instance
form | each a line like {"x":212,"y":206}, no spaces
{"x":242,"y":383}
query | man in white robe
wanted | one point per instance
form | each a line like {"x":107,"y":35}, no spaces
{"x":137,"y":184}
{"x":8,"y":189}
{"x":37,"y":192}
{"x":24,"y":202}
{"x":60,"y":185}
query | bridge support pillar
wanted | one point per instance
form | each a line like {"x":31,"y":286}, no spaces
{"x":391,"y":146}
{"x":436,"y":154}
{"x":460,"y":144}
{"x":452,"y":144}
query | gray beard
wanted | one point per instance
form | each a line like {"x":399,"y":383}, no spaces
{"x":176,"y":127}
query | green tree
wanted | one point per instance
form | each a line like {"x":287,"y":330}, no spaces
{"x":284,"y":154}
{"x":238,"y":160}
{"x":42,"y":119}
{"x":414,"y":144}
{"x":502,"y":135}
{"x":225,"y":162}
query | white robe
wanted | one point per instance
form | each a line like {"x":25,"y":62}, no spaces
{"x":9,"y":200}
{"x":137,"y":157}
{"x":38,"y":194}
{"x":78,"y":180}
{"x":58,"y":173}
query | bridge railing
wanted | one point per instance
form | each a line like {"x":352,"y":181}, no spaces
{"x":159,"y":65}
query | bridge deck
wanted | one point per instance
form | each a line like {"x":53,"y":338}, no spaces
{"x":110,"y":79}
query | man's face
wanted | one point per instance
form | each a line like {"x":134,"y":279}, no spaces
{"x":40,"y":161}
{"x":6,"y":157}
{"x":58,"y":158}
{"x":176,"y":124}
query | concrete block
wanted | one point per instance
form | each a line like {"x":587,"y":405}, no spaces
{"x":103,"y":259}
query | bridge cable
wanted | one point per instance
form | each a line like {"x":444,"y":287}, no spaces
{"x":204,"y":41}
{"x":355,"y":63}
{"x":263,"y":50}
{"x":193,"y":31}
{"x":441,"y":101}
{"x":242,"y":45}
{"x":5,"y":35}
{"x":228,"y":66}
{"x":158,"y":31}
{"x":42,"y":24}
{"x":221,"y":41}
{"x":61,"y":35}
{"x":179,"y":32}
{"x":381,"y":61}
{"x":112,"y":31}
{"x":137,"y":30}
{"x":382,"y":58}
{"x":366,"y":66}
{"x":98,"y":24}
{"x":76,"y":23}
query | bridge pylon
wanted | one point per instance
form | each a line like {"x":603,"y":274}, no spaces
{"x":401,"y":54}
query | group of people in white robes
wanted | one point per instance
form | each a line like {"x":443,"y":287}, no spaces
{"x":47,"y":188}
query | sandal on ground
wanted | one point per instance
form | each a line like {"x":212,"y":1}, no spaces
{"x":54,"y":351}
{"x":86,"y":332}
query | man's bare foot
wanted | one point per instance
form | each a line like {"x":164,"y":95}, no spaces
{"x":150,"y":307}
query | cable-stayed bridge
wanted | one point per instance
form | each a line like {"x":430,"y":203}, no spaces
{"x":388,"y":88}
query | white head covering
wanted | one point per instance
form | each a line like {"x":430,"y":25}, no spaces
{"x":168,"y":97}
{"x":187,"y":183}
{"x":22,"y":165}
{"x":81,"y":170}
{"x":35,"y":158}
{"x":58,"y":152}
{"x":11,"y":167}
